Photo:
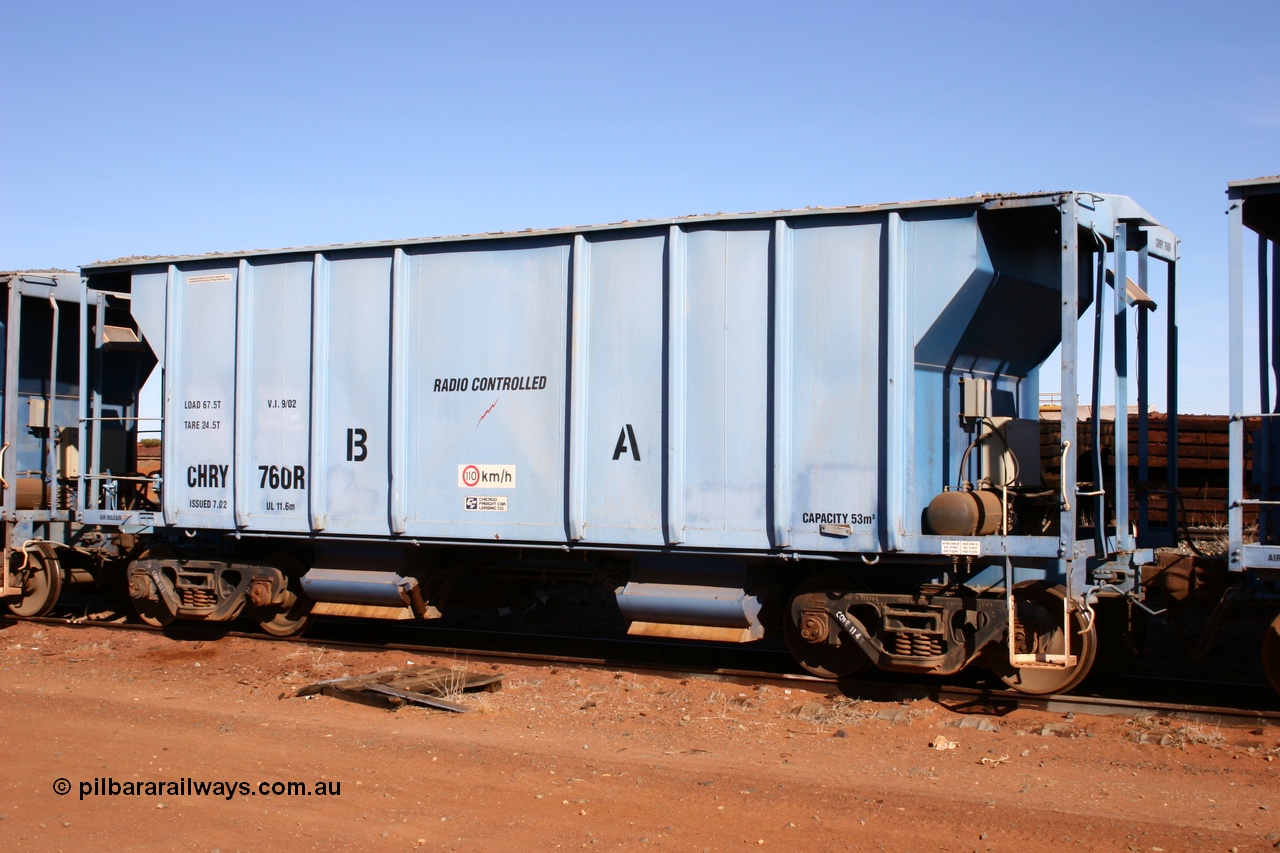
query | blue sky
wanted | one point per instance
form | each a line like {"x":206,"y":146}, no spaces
{"x":160,"y":128}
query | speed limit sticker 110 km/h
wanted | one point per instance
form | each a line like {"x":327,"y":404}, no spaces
{"x":486,"y":476}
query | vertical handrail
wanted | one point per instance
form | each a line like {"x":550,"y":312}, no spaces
{"x":1144,"y":403}
{"x":48,"y":473}
{"x":1171,"y":391}
{"x":14,"y":335}
{"x":94,"y":442}
{"x":1095,"y":415}
{"x":1120,"y":347}
{"x":1069,"y":279}
{"x":1262,"y":447}
{"x":1266,"y":531}
{"x":1062,"y":474}
{"x":1070,"y":568}
{"x":82,"y":497}
{"x":1235,"y":343}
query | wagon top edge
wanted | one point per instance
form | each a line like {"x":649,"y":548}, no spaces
{"x":1124,"y":209}
{"x":44,"y":275}
{"x":62,"y":285}
{"x":1269,"y":183}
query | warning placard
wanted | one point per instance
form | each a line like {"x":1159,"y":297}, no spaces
{"x":962,"y":547}
{"x":486,"y":476}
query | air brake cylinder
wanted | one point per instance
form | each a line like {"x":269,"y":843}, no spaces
{"x":966,"y":513}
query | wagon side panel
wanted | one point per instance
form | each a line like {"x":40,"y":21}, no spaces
{"x":486,"y":389}
{"x":726,"y":438}
{"x":625,"y":394}
{"x":352,"y":387}
{"x":274,"y":396}
{"x":835,"y":364}
{"x":200,"y":396}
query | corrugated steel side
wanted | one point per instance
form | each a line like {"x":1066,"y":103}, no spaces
{"x":720,"y":383}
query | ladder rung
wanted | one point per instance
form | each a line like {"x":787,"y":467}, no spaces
{"x":1044,"y":661}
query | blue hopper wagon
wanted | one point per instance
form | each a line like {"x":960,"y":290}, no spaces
{"x":819,"y":424}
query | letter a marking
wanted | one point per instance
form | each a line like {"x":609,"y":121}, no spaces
{"x":627,"y":444}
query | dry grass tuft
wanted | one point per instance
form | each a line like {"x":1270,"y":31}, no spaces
{"x":1148,"y":729}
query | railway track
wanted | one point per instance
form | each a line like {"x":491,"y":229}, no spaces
{"x":1212,"y":702}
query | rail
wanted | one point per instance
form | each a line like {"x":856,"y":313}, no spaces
{"x":881,"y":687}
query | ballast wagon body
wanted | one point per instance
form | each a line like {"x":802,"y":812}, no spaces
{"x":703,"y":401}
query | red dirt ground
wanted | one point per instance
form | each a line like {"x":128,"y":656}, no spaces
{"x":566,"y":758}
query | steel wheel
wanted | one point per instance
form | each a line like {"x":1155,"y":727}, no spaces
{"x":1271,"y":652}
{"x":1039,"y":606}
{"x":154,"y":613}
{"x":296,"y":617}
{"x":42,"y":586}
{"x":842,"y":659}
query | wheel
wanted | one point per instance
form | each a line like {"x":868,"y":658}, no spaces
{"x":296,"y":617}
{"x":1039,"y":613}
{"x":154,"y":613}
{"x":842,"y":659}
{"x":42,"y":586}
{"x":1271,"y":652}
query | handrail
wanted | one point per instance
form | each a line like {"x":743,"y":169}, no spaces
{"x":89,"y":420}
{"x":1062,"y":475}
{"x":1257,"y":415}
{"x":122,"y":477}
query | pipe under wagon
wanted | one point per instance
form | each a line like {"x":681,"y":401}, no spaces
{"x":818,"y":422}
